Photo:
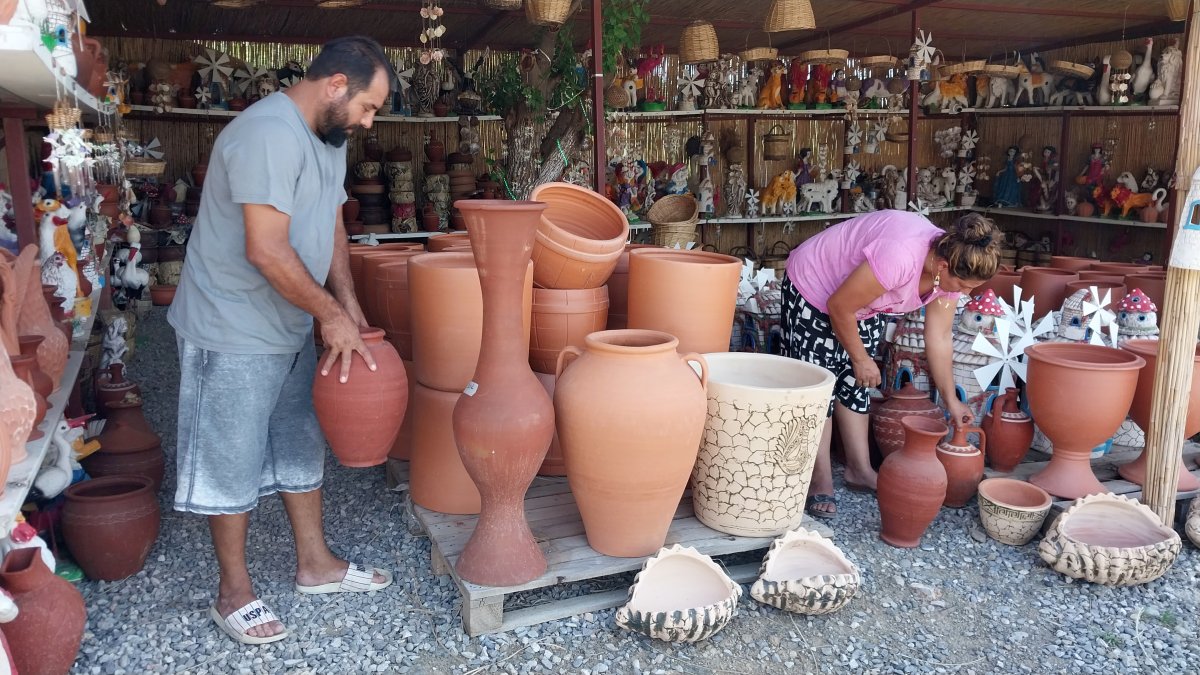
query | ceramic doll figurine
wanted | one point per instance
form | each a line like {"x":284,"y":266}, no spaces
{"x":1137,"y":316}
{"x":804,"y":168}
{"x":1007,"y":191}
{"x":1093,"y":174}
{"x":679,"y":180}
{"x":837,"y":85}
{"x":735,"y":190}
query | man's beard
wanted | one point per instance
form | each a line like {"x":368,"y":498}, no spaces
{"x":333,"y":125}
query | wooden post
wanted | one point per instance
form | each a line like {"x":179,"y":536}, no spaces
{"x":18,"y":180}
{"x":1177,"y":341}
{"x":914,"y":102}
{"x":599,"y":167}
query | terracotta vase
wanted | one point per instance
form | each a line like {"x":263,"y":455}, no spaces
{"x":912,"y":483}
{"x":350,"y":210}
{"x":23,"y":366}
{"x":579,"y":239}
{"x":112,"y":387}
{"x":1120,"y":268}
{"x":430,"y":221}
{"x":110,"y":524}
{"x":885,"y":418}
{"x":1139,"y":411}
{"x":390,"y":304}
{"x":1153,"y":285}
{"x":361,"y":416}
{"x":148,"y":463}
{"x":441,"y":242}
{"x":561,"y":318}
{"x":1047,"y":286}
{"x":18,"y":407}
{"x":372,"y":292}
{"x":618,"y":290}
{"x":402,"y":448}
{"x":435,"y":150}
{"x":630,"y":415}
{"x":42,"y":383}
{"x":689,"y":294}
{"x":1085,"y":210}
{"x":1001,"y":284}
{"x":437,"y":479}
{"x":1009,"y":432}
{"x":964,"y":465}
{"x":45,"y":636}
{"x":554,"y":464}
{"x":1115,"y":291}
{"x":1071,"y":263}
{"x":504,"y":421}
{"x":1079,"y":394}
{"x":35,"y":319}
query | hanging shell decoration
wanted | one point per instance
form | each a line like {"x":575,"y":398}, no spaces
{"x":681,"y":595}
{"x":1192,"y":527}
{"x":805,"y":573}
{"x":1112,"y":540}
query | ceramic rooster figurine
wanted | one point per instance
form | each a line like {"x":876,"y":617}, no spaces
{"x":67,"y":447}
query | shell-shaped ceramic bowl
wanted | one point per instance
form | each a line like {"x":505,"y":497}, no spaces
{"x":805,"y":573}
{"x":681,"y":595}
{"x":1112,"y":540}
{"x":1192,"y":526}
{"x":1012,"y":511}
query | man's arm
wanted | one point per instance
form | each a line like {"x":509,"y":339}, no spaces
{"x":340,"y":283}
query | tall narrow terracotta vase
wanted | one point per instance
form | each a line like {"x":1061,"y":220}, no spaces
{"x":504,"y":420}
{"x":42,"y":383}
{"x":912,"y":484}
{"x":45,"y":636}
{"x":1135,"y":471}
{"x":35,"y":319}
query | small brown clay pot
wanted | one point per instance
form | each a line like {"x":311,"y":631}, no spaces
{"x":162,"y":296}
{"x":886,"y":417}
{"x":110,"y":524}
{"x":963,"y":462}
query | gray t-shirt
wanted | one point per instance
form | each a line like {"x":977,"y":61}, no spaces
{"x":267,"y":155}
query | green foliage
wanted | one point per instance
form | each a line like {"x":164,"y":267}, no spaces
{"x":506,"y":88}
{"x":623,"y":23}
{"x":571,"y":80}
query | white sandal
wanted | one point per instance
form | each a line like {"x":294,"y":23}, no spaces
{"x":248,"y":616}
{"x":358,"y":579}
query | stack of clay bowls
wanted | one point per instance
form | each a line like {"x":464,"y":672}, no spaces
{"x":462,"y":185}
{"x":436,"y":187}
{"x":401,"y":189}
{"x":370,"y":192}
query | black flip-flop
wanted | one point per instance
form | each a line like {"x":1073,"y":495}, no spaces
{"x":820,"y":499}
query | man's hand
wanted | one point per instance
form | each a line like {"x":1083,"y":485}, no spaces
{"x":342,"y":339}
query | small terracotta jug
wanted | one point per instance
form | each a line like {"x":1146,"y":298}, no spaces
{"x":435,"y":150}
{"x":45,"y":636}
{"x":964,"y":465}
{"x":912,"y":483}
{"x":1009,"y":432}
{"x":885,"y":418}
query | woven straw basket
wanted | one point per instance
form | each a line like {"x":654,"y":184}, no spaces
{"x":142,"y":166}
{"x":698,"y":43}
{"x":1069,"y":69}
{"x":760,"y":54}
{"x":673,"y":219}
{"x":777,"y":144}
{"x":879,"y":61}
{"x":1007,"y":72}
{"x":789,"y":15}
{"x":827,"y":56}
{"x":553,"y":13}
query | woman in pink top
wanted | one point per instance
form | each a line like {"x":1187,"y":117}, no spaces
{"x":839,"y":282}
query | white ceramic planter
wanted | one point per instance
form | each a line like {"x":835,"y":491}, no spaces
{"x":805,"y":573}
{"x":765,"y":418}
{"x":680,"y":595}
{"x":1110,"y":539}
{"x":1012,"y":511}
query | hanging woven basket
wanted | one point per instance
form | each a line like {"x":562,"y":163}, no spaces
{"x":552,"y":13}
{"x":760,"y":54}
{"x":789,"y":15}
{"x":698,"y":43}
{"x":1071,"y":69}
{"x":832,"y":57}
{"x":777,"y":144}
{"x":503,"y":5}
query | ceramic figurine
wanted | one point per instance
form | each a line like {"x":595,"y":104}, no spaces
{"x":1166,"y":89}
{"x":747,"y":94}
{"x":134,"y":278}
{"x":1144,"y":74}
{"x":735,"y":190}
{"x":780,"y":191}
{"x":113,"y":343}
{"x":1007,"y":191}
{"x":1137,"y":316}
{"x":1034,"y":82}
{"x":771,"y":96}
{"x":1001,"y":90}
{"x":690,"y":86}
{"x":1104,"y":82}
{"x":752,"y":203}
{"x":797,"y":78}
{"x":977,"y":317}
{"x":819,"y":196}
{"x":706,"y":196}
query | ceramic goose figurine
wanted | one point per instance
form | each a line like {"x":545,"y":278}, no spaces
{"x":1103,"y":93}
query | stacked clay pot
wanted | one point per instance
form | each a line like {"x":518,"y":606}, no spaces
{"x":350,"y":211}
{"x":462,"y":185}
{"x":401,"y":189}
{"x":689,"y":294}
{"x":387,"y":295}
{"x":371,"y":192}
{"x":436,"y":210}
{"x":618,"y":290}
{"x":127,"y":444}
{"x":1139,"y":411}
{"x":1152,"y":284}
{"x":110,"y":524}
{"x":358,"y":252}
{"x":1047,"y":286}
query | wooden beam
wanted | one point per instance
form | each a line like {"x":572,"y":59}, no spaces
{"x":1047,"y":11}
{"x":914,"y":103}
{"x":1132,"y":33}
{"x":18,"y":181}
{"x":865,"y":21}
{"x":483,"y":31}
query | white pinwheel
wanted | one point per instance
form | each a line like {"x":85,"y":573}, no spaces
{"x":213,"y":63}
{"x":1005,"y":357}
{"x":1098,"y":316}
{"x":919,"y":207}
{"x":242,"y":79}
{"x":852,"y":172}
{"x":691,"y":84}
{"x":854,"y":135}
{"x":923,"y":49}
{"x":203,"y":98}
{"x":404,"y":77}
{"x":289,"y":81}
{"x":970,"y":139}
{"x":153,"y":149}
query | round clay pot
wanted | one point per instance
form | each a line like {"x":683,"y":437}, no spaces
{"x":630,"y":416}
{"x":563,"y":317}
{"x":23,"y":366}
{"x":160,"y":215}
{"x":580,"y":237}
{"x":1085,"y":209}
{"x":1070,"y":263}
{"x":964,"y":465}
{"x":127,"y":415}
{"x":457,"y":222}
{"x":1152,"y":284}
{"x":1115,"y":291}
{"x":554,"y":464}
{"x":441,"y":109}
{"x":1120,"y":268}
{"x":402,"y":448}
{"x":1001,"y":284}
{"x":41,"y":382}
{"x":768,"y":412}
{"x":437,"y":479}
{"x":388,"y":297}
{"x":354,"y":228}
{"x":435,"y":150}
{"x":1079,"y":394}
{"x":361,"y":416}
{"x":1139,"y":411}
{"x":441,"y":242}
{"x":238,"y":104}
{"x":1110,"y":539}
{"x":912,"y":483}
{"x":618,"y":289}
{"x":110,"y":524}
{"x":1012,"y":511}
{"x":1092,"y":275}
{"x":1047,"y":286}
{"x":161,"y":296}
{"x":45,"y":636}
{"x":1009,"y":432}
{"x":885,"y":417}
{"x":689,"y":294}
{"x":446,"y":305}
{"x":148,"y":463}
{"x":372,"y":293}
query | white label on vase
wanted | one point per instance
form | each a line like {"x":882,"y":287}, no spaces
{"x":472,"y":387}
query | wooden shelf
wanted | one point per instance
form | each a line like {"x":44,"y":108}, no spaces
{"x":1026,"y":213}
{"x":618,"y":115}
{"x":1054,"y":110}
{"x":30,"y":78}
{"x":145,"y":112}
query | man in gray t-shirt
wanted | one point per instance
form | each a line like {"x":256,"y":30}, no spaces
{"x":267,"y":243}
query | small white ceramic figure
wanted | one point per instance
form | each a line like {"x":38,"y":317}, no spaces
{"x":1137,"y":316}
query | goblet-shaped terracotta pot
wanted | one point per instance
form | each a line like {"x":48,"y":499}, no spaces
{"x":1135,"y":471}
{"x":1115,"y":290}
{"x":1079,"y":394}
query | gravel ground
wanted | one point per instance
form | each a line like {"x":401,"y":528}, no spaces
{"x":960,"y":603}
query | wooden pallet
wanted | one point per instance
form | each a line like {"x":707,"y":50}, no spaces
{"x":555,"y":521}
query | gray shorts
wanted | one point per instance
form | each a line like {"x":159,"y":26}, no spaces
{"x":247,"y":428}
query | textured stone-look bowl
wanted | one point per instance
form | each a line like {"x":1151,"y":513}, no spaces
{"x":1112,"y":540}
{"x":805,"y":573}
{"x":1192,"y":527}
{"x":680,"y":595}
{"x":1012,"y":511}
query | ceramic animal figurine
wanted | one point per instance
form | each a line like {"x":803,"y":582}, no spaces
{"x":781,"y":190}
{"x":819,"y":195}
{"x":949,"y":94}
{"x":1034,"y":82}
{"x":748,"y":92}
{"x":771,"y":96}
{"x":1144,"y":74}
{"x":1137,"y":316}
{"x":1000,"y":90}
{"x":797,"y":78}
{"x":1104,"y":85}
{"x":1170,"y":73}
{"x":113,"y":343}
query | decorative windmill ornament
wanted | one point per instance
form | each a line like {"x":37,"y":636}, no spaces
{"x":213,"y":64}
{"x":970,"y":139}
{"x":203,"y":98}
{"x":1099,"y":316}
{"x":920,"y":55}
{"x":153,"y":149}
{"x":690,"y":87}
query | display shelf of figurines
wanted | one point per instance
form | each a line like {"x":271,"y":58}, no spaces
{"x":210,"y":114}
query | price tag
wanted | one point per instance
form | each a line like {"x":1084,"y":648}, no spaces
{"x":472,"y":387}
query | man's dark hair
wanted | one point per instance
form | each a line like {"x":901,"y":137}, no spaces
{"x":357,"y":57}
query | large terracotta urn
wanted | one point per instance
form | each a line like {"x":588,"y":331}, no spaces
{"x":361,"y":416}
{"x":504,"y":421}
{"x":1071,"y":263}
{"x":885,"y":417}
{"x":1079,"y":394}
{"x":127,"y":445}
{"x":45,"y":636}
{"x":963,"y":462}
{"x":376,"y":292}
{"x":1001,"y":284}
{"x":630,"y":412}
{"x":392,"y":309}
{"x":1009,"y":432}
{"x":618,"y":290}
{"x":357,"y":254}
{"x":110,"y":524}
{"x":437,"y":479}
{"x":562,"y":317}
{"x":689,"y":294}
{"x":765,"y":417}
{"x":579,"y":239}
{"x":402,"y":448}
{"x":1139,"y":411}
{"x":1047,"y":287}
{"x":1153,"y":285}
{"x":912,"y":483}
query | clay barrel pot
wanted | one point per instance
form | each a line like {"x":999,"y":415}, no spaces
{"x":23,"y":366}
{"x":446,"y":305}
{"x":563,"y":317}
{"x":1012,"y":511}
{"x":1078,"y":395}
{"x":1139,"y":411}
{"x":357,"y":251}
{"x":110,"y":524}
{"x":437,"y":479}
{"x":350,"y":210}
{"x":112,"y":387}
{"x":1152,"y":284}
{"x":963,"y":463}
{"x":1071,"y":263}
{"x":45,"y":635}
{"x":458,"y":248}
{"x":1115,"y":291}
{"x":579,"y":238}
{"x":161,"y":295}
{"x":373,"y":295}
{"x":1009,"y":431}
{"x":125,"y":414}
{"x":689,"y":294}
{"x":886,"y":416}
{"x":361,"y":416}
{"x":554,"y":464}
{"x":1047,"y":286}
{"x":768,"y":412}
{"x":1120,"y":268}
{"x":42,"y":383}
{"x":618,"y":289}
{"x":1092,"y":275}
{"x":1001,"y":284}
{"x":402,"y":448}
{"x":912,"y":484}
{"x":630,"y":412}
{"x":148,"y":463}
{"x":391,"y":299}
{"x":440,"y":242}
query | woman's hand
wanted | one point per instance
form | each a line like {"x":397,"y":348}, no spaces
{"x":960,"y":414}
{"x":866,"y":373}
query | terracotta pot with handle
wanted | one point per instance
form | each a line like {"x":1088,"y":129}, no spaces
{"x":1009,"y":431}
{"x":912,"y":484}
{"x":963,"y":462}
